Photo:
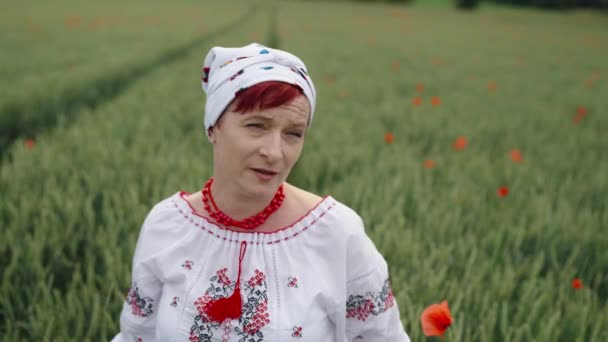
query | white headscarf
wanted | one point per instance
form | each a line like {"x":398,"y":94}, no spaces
{"x":229,"y":70}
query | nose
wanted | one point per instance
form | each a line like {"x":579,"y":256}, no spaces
{"x":272,"y":147}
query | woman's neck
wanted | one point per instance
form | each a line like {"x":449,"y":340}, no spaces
{"x":235,"y":203}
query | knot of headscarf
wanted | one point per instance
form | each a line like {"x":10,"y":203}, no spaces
{"x":227,"y":71}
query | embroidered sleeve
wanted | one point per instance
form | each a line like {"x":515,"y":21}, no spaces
{"x":371,"y":310}
{"x":138,"y":315}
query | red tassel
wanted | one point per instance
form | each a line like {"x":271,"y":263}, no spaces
{"x":224,"y":308}
{"x":230,"y":307}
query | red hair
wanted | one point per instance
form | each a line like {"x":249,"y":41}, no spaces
{"x":266,"y":95}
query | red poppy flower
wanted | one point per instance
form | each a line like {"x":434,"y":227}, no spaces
{"x":460,"y":143}
{"x":436,"y":319}
{"x":389,"y":138}
{"x":417,"y":101}
{"x":581,"y":110}
{"x":343,"y":94}
{"x":503,"y":191}
{"x":438,"y":61}
{"x":436,"y":101}
{"x":395,"y":65}
{"x":72,"y":22}
{"x":429,"y":163}
{"x":33,"y":28}
{"x":492,"y":86}
{"x":29,"y":143}
{"x":420,"y":87}
{"x":516,"y":156}
{"x":577,"y":284}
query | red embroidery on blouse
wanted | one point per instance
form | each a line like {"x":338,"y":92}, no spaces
{"x":293,"y":282}
{"x":188,"y":264}
{"x":174,"y":301}
{"x":226,"y":336}
{"x":257,"y":279}
{"x":193,"y":213}
{"x":140,"y":306}
{"x":372,"y":303}
{"x":258,"y":321}
{"x":222,"y":278}
{"x":254,"y":314}
{"x":297,"y":332}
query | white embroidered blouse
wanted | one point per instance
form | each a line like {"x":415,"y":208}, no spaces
{"x":319,"y":280}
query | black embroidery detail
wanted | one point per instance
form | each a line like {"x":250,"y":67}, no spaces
{"x":141,"y":307}
{"x":372,"y":303}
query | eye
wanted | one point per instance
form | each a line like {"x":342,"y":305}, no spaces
{"x":297,"y":134}
{"x":255,"y":125}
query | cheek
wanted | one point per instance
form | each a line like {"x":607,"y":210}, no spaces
{"x":294,"y":152}
{"x":233,"y":151}
{"x":237,"y":142}
{"x":246,"y":147}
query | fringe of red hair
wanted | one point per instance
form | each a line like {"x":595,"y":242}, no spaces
{"x":266,"y":95}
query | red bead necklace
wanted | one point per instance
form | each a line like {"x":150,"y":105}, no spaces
{"x":248,"y":223}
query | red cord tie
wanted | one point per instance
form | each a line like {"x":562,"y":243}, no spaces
{"x":231,"y":307}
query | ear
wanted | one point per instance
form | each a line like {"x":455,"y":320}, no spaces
{"x":212,"y":137}
{"x":212,"y":130}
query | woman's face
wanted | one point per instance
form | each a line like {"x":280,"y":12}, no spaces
{"x":271,"y":140}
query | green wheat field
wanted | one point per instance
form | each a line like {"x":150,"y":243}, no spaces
{"x":473,"y":144}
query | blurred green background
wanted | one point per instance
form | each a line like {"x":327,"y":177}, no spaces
{"x":425,"y":112}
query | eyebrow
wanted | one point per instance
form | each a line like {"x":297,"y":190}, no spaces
{"x":258,"y":116}
{"x":267,"y":118}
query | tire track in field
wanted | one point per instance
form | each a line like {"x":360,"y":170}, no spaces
{"x":16,"y":120}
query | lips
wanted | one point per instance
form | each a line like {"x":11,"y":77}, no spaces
{"x":268,"y":172}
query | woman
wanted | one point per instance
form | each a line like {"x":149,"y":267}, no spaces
{"x":251,"y":257}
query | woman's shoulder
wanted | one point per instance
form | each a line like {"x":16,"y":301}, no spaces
{"x":336,"y":214}
{"x":165,"y":208}
{"x":163,"y":226}
{"x":163,"y":220}
{"x":349,"y":227}
{"x":304,"y":198}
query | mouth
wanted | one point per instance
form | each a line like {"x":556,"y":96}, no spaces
{"x":266,"y":172}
